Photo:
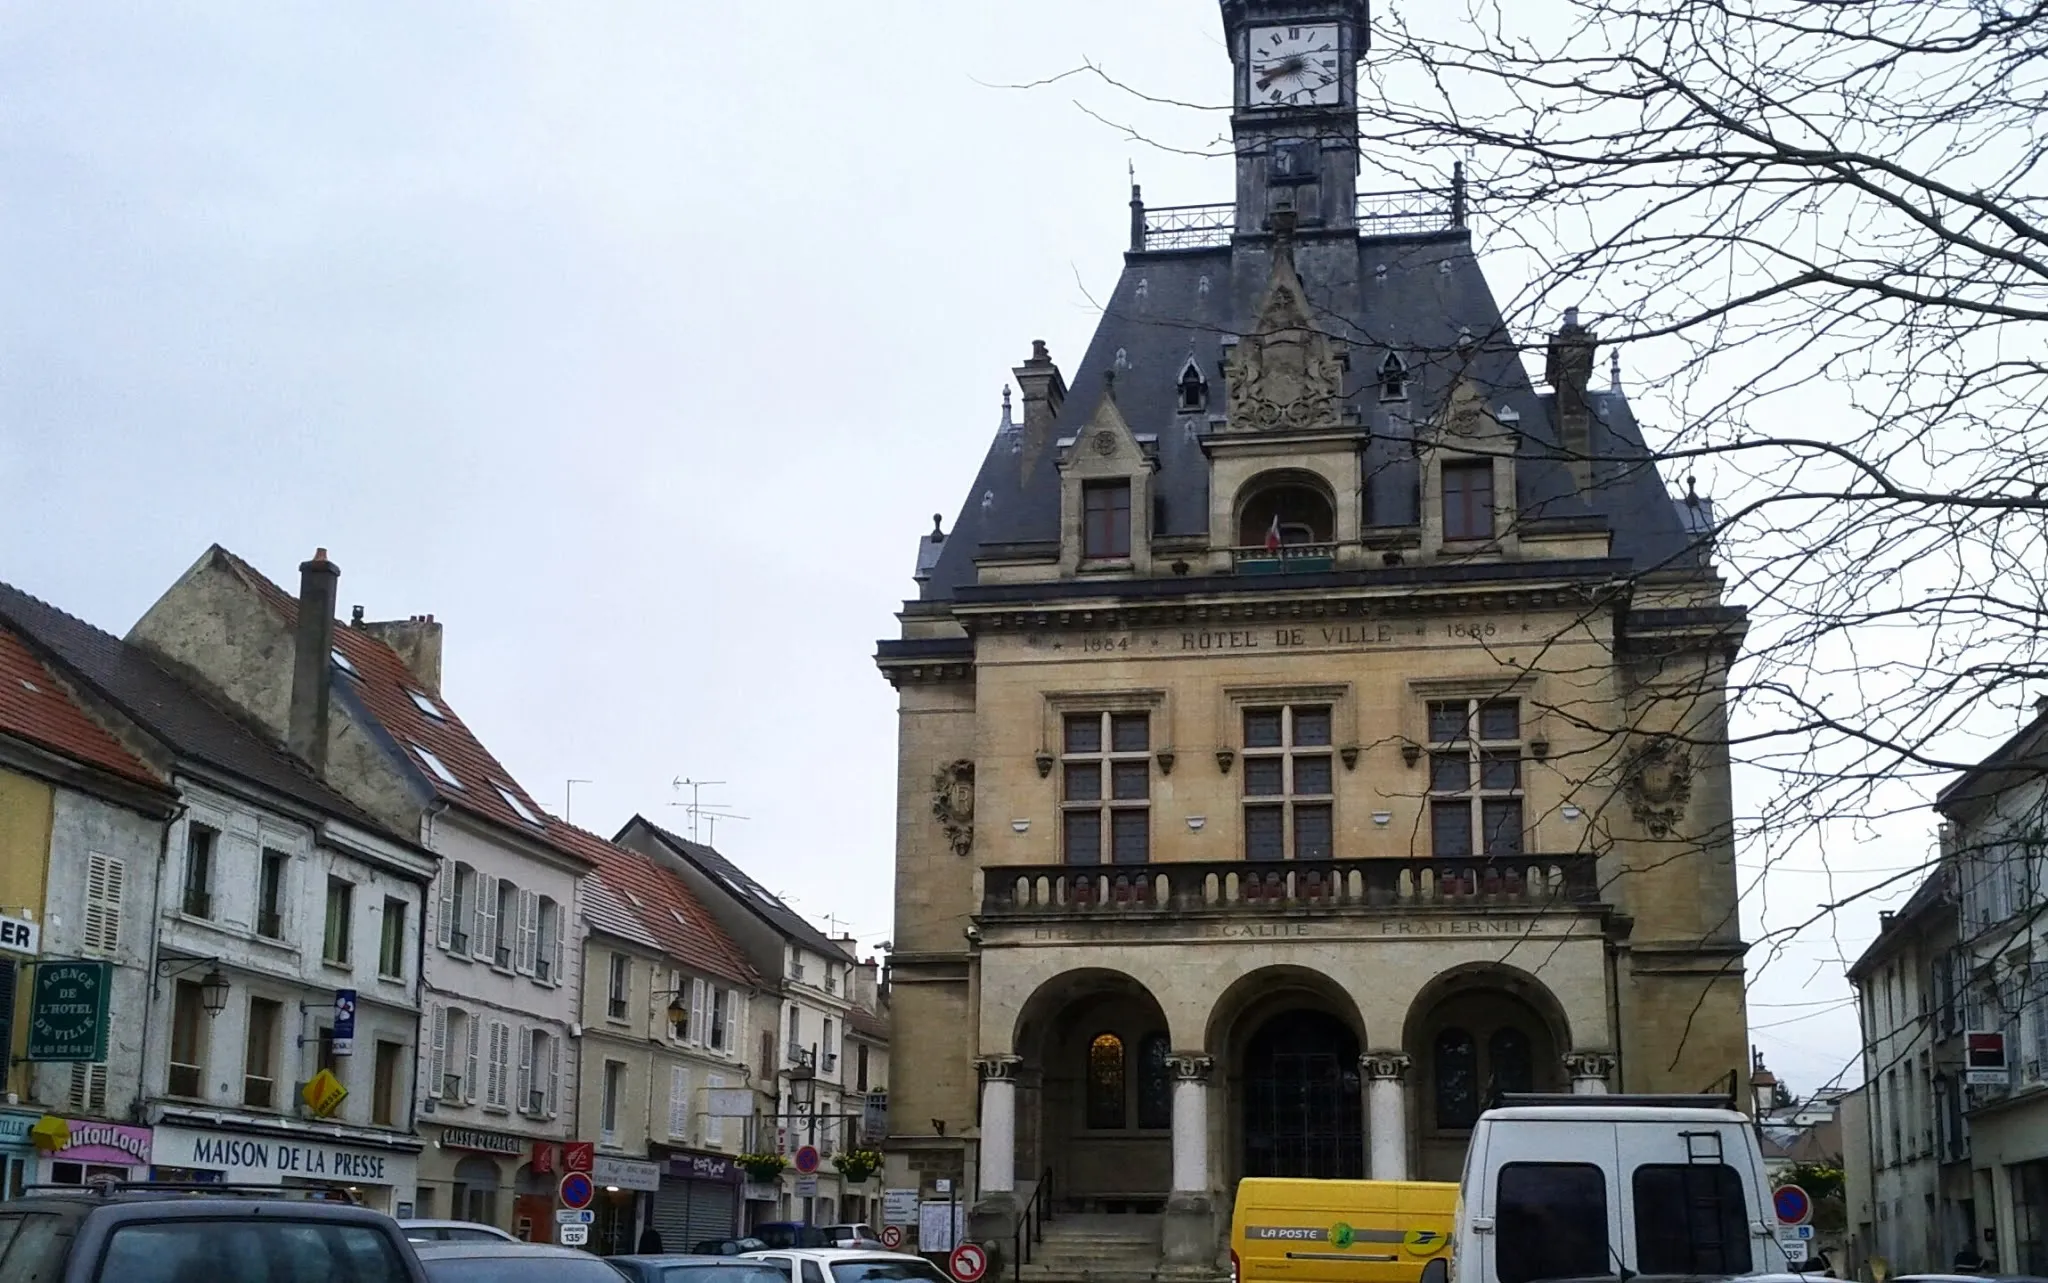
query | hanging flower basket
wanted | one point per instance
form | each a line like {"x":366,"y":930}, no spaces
{"x":763,"y":1167}
{"x":857,"y":1165}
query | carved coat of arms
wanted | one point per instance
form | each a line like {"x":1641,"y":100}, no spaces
{"x":953,"y":803}
{"x":1286,"y":373}
{"x":1659,"y":784}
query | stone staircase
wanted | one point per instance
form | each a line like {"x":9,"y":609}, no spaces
{"x":1083,"y":1247}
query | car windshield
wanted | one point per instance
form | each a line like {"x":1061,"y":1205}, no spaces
{"x":512,"y":1267}
{"x":250,"y":1251}
{"x":737,"y":1272}
{"x":885,"y":1271}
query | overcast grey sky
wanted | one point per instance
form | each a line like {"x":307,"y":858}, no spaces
{"x":636,"y":341}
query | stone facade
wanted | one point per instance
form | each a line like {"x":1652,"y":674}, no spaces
{"x":1288,"y":764}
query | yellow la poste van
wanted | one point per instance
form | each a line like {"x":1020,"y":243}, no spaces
{"x":1310,"y":1231}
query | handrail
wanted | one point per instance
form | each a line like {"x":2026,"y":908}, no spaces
{"x":1031,"y":1219}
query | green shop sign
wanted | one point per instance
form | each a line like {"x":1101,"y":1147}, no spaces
{"x":68,"y":1016}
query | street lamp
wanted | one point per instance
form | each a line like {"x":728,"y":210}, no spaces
{"x":213,"y":991}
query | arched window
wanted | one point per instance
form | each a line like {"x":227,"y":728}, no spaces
{"x":1106,"y":1083}
{"x":1155,"y":1084}
{"x":1457,"y":1079}
{"x":1507,"y":1054}
{"x":1298,"y":512}
{"x":1393,"y":379}
{"x":1194,"y":389}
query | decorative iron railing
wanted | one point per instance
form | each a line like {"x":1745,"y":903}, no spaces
{"x":1188,"y":226}
{"x":1288,"y":559}
{"x":1477,"y":882}
{"x":1377,"y":213}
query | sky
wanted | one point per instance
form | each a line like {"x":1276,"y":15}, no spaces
{"x":637,"y":342}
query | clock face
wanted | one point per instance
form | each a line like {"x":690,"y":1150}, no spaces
{"x":1293,"y":67}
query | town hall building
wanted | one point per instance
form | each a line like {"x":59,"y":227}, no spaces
{"x":1311,"y":725}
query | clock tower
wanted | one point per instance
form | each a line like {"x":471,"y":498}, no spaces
{"x":1295,"y":109}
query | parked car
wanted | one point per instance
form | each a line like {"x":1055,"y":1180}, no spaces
{"x":681,"y":1268}
{"x":131,"y":1234}
{"x":514,"y":1262}
{"x":843,"y":1265}
{"x":429,"y":1231}
{"x":728,"y":1246}
{"x":854,"y":1235}
{"x":781,"y":1234}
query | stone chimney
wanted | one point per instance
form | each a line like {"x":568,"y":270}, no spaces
{"x":312,"y":670}
{"x":1568,"y":369}
{"x":1045,"y":391}
{"x":418,"y":642}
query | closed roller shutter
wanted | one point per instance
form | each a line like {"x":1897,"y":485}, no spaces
{"x":714,"y":1210}
{"x":672,"y":1216}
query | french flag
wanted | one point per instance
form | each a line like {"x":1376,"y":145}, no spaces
{"x":1273,"y":534}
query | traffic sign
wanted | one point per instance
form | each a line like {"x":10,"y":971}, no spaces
{"x":574,"y":1216}
{"x":807,"y":1159}
{"x":1792,"y":1204}
{"x":806,"y":1187}
{"x":577,"y":1190}
{"x":968,"y":1262}
{"x":892,"y":1236}
{"x":573,"y":1235}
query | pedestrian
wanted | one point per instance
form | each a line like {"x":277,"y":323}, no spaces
{"x":650,"y":1241}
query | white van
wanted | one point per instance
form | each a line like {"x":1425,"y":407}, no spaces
{"x":1577,"y":1187}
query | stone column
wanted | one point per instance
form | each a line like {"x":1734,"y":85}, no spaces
{"x":1188,"y":1241}
{"x":1386,"y":1113}
{"x":998,"y":1124}
{"x":1588,"y":1071}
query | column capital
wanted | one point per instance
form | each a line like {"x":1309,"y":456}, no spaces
{"x":1588,"y":1066}
{"x":998,"y":1068}
{"x":1385,"y":1066}
{"x":1190,"y":1066}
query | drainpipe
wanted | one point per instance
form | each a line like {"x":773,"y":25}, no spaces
{"x":136,"y":1109}
{"x":419,"y":1015}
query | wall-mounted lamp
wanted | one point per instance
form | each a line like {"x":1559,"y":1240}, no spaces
{"x":1020,"y":826}
{"x":1381,"y":819}
{"x":213,"y":991}
{"x":1195,"y":822}
{"x":1569,"y":811}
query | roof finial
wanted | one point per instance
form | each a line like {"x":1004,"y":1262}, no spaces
{"x":1692,"y":494}
{"x":1006,"y":403}
{"x":938,"y":531}
{"x":1614,"y":369}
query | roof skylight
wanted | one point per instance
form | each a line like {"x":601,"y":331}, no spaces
{"x":341,"y":661}
{"x":512,"y":800}
{"x":425,"y":703}
{"x":678,"y":917}
{"x":437,"y":766}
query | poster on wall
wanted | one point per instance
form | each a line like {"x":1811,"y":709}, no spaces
{"x":68,"y":1014}
{"x":940,"y":1226}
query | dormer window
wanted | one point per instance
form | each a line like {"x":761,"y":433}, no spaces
{"x":1393,"y":379}
{"x":1468,"y":499}
{"x":1106,"y":519}
{"x":1194,"y":389}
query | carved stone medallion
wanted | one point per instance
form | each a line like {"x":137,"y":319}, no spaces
{"x":1659,"y":784}
{"x":1105,"y":443}
{"x":953,"y":803}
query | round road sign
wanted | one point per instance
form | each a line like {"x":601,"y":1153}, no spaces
{"x":892,"y":1236}
{"x":577,"y":1191}
{"x":1792,"y":1204}
{"x":807,"y":1159}
{"x":968,"y":1262}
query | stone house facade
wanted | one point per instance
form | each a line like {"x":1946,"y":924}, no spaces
{"x":1302,"y":708}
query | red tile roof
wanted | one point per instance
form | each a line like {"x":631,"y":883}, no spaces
{"x":385,"y":684}
{"x":36,"y":707}
{"x":662,"y":902}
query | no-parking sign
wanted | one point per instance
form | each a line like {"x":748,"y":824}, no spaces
{"x":1793,"y":1205}
{"x":892,"y":1236}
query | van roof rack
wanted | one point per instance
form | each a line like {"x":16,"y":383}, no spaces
{"x":1636,"y":1100}
{"x":113,"y":1188}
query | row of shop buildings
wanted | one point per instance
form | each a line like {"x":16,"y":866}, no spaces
{"x":1945,"y":1143}
{"x":270,"y":913}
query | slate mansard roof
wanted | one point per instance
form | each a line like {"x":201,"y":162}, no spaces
{"x":1421,"y":296}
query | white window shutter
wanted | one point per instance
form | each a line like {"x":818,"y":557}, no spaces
{"x":469,"y":1064}
{"x":104,"y":879}
{"x":554,"y":1075}
{"x":529,"y":932}
{"x":437,"y":1060}
{"x":675,"y":985}
{"x":714,"y":1125}
{"x":555,"y":946}
{"x":698,"y":1026}
{"x":525,"y":1069}
{"x":485,"y":938}
{"x":679,"y":1103}
{"x":444,"y":928}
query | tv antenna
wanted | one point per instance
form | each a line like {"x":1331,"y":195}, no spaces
{"x":706,"y":815}
{"x":569,"y":798}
